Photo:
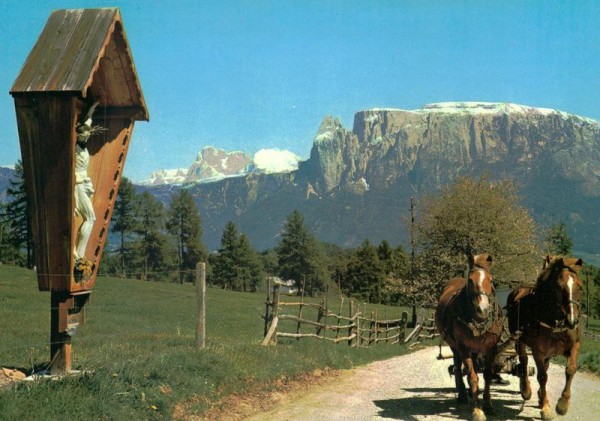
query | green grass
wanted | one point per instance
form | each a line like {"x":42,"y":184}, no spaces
{"x":137,"y":351}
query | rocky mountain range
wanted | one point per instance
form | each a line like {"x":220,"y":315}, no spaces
{"x":357,"y":183}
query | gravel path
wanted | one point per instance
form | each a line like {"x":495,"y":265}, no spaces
{"x":418,"y":387}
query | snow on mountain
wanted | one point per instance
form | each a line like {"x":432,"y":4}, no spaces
{"x":480,"y":107}
{"x":213,"y":164}
{"x":160,"y":177}
{"x":273,"y":161}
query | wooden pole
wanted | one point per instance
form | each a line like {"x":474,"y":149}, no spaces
{"x":301,"y":306}
{"x":60,"y":341}
{"x":267,"y":304}
{"x":350,"y":329}
{"x":271,"y":336}
{"x":201,"y":305}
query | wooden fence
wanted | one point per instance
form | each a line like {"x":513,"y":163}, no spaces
{"x":312,"y":320}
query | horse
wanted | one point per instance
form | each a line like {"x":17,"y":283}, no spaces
{"x":547,"y":317}
{"x":468,"y":318}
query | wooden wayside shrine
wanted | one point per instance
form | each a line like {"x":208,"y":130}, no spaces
{"x":76,"y":99}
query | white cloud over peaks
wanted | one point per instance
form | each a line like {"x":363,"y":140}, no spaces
{"x":275,"y":161}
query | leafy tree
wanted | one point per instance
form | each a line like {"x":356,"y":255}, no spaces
{"x":299,"y":256}
{"x":365,"y":276}
{"x":558,"y":239}
{"x":16,"y":218}
{"x":470,"y":217}
{"x":124,"y":221}
{"x":151,"y":245}
{"x":184,"y":223}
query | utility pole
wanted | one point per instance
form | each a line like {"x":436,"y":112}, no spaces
{"x":412,"y":256}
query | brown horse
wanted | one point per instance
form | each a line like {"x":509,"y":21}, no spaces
{"x":547,"y":317}
{"x":469,"y":320}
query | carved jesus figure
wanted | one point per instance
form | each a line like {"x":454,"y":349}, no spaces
{"x":84,"y":189}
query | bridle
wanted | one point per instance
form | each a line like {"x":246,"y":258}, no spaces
{"x":561,"y":325}
{"x":478,"y":328}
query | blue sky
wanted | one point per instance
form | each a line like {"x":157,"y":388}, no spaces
{"x":246,"y":75}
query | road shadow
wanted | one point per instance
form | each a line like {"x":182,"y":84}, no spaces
{"x":441,"y":403}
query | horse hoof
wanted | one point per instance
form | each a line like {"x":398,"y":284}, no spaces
{"x":547,"y":414}
{"x":478,"y":415}
{"x":562,"y":406}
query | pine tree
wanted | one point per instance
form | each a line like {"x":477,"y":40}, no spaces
{"x":365,"y":276}
{"x":16,"y":217}
{"x":299,"y":256}
{"x":250,"y":267}
{"x":225,"y":268}
{"x":184,"y":223}
{"x":558,"y":240}
{"x":124,"y":221}
{"x":386,"y":255}
{"x":151,"y":244}
{"x":236,"y":265}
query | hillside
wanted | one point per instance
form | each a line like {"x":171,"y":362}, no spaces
{"x":357,"y":184}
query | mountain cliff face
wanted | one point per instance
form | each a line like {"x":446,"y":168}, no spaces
{"x":357,"y":184}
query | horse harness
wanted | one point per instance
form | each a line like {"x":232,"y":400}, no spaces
{"x":559,"y":326}
{"x":478,"y":328}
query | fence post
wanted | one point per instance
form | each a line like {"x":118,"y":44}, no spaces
{"x":337,"y":331}
{"x":267,"y":304}
{"x":352,"y":321}
{"x":272,"y":333}
{"x":403,"y":323}
{"x":301,"y":307}
{"x":201,"y":305}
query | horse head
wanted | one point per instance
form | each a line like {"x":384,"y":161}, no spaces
{"x":479,"y":287}
{"x":559,"y":283}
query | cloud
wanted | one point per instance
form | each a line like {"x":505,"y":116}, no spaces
{"x":275,"y":161}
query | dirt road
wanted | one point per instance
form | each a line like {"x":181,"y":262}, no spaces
{"x":418,"y":387}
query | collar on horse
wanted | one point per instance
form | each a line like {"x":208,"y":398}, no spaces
{"x":557,"y":326}
{"x":490,"y":324}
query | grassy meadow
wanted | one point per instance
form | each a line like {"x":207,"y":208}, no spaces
{"x":136,"y":350}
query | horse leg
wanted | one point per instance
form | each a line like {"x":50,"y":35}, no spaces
{"x":562,"y":406}
{"x":542,"y":364}
{"x":488,"y":375}
{"x":458,"y":380}
{"x":478,"y":414}
{"x":525,"y":386}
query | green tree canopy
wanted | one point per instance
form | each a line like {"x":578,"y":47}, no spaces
{"x":124,"y":221}
{"x":184,"y":223}
{"x":299,"y":255}
{"x":474,"y":216}
{"x":16,"y":232}
{"x":558,"y":240}
{"x":151,"y":246}
{"x":366,"y":275}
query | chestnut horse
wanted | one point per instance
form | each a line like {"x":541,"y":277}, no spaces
{"x":469,"y":320}
{"x":547,"y":315}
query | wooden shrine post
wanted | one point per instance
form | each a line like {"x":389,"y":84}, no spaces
{"x":76,"y":99}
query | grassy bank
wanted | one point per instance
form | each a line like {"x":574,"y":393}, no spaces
{"x":137,"y":348}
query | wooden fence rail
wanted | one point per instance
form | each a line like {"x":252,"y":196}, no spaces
{"x":359,"y":331}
